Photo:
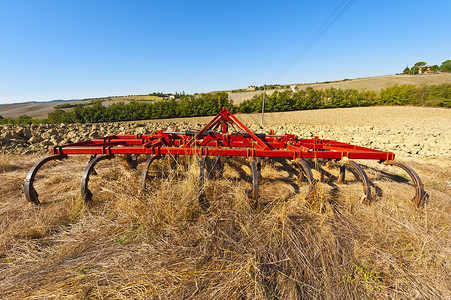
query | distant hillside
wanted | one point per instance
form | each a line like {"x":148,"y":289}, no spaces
{"x":369,"y":83}
{"x":41,"y":109}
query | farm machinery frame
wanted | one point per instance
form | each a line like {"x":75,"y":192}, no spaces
{"x":226,"y":136}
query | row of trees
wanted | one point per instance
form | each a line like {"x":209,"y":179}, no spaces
{"x":23,"y":119}
{"x":187,"y":106}
{"x":308,"y":99}
{"x":210,"y":104}
{"x":445,"y":67}
{"x":432,"y":95}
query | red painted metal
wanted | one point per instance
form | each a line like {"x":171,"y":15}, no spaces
{"x":214,"y":139}
{"x":225,"y":135}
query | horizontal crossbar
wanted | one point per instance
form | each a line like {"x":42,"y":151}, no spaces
{"x":210,"y":141}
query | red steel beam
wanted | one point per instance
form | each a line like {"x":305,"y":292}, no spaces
{"x":206,"y":142}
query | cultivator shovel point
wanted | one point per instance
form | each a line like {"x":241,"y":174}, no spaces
{"x":226,"y":136}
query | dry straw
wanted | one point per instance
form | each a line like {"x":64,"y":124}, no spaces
{"x":164,"y":245}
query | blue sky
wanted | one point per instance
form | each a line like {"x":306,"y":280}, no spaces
{"x":76,"y":49}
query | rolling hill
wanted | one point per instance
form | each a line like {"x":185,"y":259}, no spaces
{"x":41,"y":109}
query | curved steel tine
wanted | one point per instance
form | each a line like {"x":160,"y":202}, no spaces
{"x":93,"y":172}
{"x":366,"y":197}
{"x":128,"y":159}
{"x":134,"y":162}
{"x":255,"y":175}
{"x":30,"y":193}
{"x":220,"y":167}
{"x":146,"y":170}
{"x":85,"y":192}
{"x":306,"y":172}
{"x":201,"y":192}
{"x":342,"y":176}
{"x":420,"y":194}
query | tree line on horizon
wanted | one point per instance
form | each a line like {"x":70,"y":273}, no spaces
{"x":432,"y":95}
{"x":211,"y":103}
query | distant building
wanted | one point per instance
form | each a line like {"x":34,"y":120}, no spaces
{"x":251,"y":88}
{"x":424,"y":69}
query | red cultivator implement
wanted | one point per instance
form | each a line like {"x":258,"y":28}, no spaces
{"x":226,"y":136}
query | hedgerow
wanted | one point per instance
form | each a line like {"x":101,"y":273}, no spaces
{"x":210,"y":104}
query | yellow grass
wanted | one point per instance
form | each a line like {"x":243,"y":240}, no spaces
{"x":164,"y":245}
{"x":139,"y":98}
{"x":381,"y":82}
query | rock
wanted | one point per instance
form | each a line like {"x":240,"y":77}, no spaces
{"x":411,"y":142}
{"x":35,"y":139}
{"x":11,"y":135}
{"x":46,"y":143}
{"x":141,"y":130}
{"x":27,"y":133}
{"x":56,"y":140}
{"x":49,"y":133}
{"x":95,"y":135}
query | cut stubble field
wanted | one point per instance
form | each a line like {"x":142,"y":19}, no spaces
{"x":163,"y":244}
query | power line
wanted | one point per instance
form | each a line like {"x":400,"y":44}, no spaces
{"x":317,"y":34}
{"x":342,"y":7}
{"x":308,"y":41}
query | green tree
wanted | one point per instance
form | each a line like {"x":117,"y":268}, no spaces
{"x":24,"y":119}
{"x":419,"y":64}
{"x":434,"y":68}
{"x":398,"y":95}
{"x":57,"y":116}
{"x":446,"y":66}
{"x":76,"y":114}
{"x":406,"y":70}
